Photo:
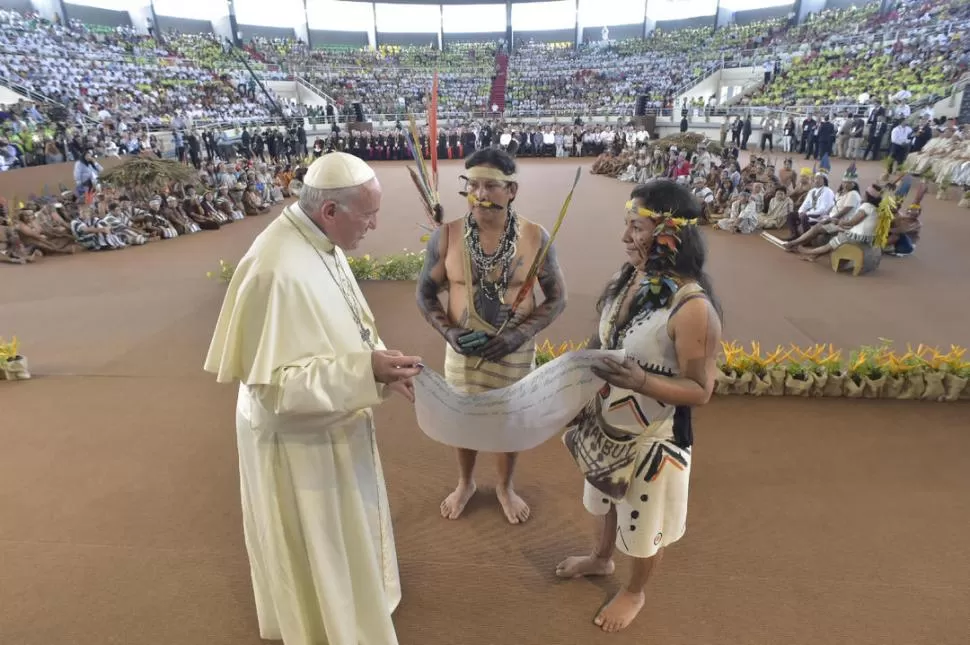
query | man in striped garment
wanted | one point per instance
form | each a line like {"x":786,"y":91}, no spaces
{"x":482,"y":260}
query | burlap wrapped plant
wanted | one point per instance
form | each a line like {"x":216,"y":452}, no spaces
{"x":821,"y":362}
{"x":743,"y":383}
{"x":867,"y":371}
{"x":873,"y":386}
{"x":724,"y":382}
{"x":935,"y":390}
{"x":853,"y":386}
{"x":799,"y":381}
{"x":13,"y":366}
{"x":904,"y":387}
{"x":946,"y":375}
{"x":834,"y":383}
{"x":776,"y":381}
{"x":752,"y":373}
{"x":760,"y":386}
{"x":956,"y":373}
{"x":904,"y":375}
{"x":954,"y":386}
{"x":15,"y":369}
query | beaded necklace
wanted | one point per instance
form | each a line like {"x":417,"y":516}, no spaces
{"x":653,"y":293}
{"x":502,"y":258}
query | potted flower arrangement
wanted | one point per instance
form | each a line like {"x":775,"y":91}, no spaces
{"x":835,"y":373}
{"x":934,"y":376}
{"x":956,"y":374}
{"x":398,"y":266}
{"x":13,"y":366}
{"x":867,"y":376}
{"x":820,"y":363}
{"x":800,"y":377}
{"x":905,"y":375}
{"x":729,"y":367}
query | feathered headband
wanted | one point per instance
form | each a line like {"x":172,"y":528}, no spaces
{"x":659,"y":218}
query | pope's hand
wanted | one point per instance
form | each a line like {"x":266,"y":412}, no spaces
{"x":391,"y":366}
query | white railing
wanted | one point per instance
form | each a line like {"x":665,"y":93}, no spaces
{"x":313,"y":88}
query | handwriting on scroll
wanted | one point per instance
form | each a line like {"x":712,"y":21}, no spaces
{"x":550,"y":381}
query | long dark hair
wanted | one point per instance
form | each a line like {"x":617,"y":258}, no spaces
{"x":666,"y":196}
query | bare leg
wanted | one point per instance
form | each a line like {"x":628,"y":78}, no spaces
{"x":516,"y":510}
{"x":455,"y":503}
{"x":628,"y":602}
{"x":810,"y":255}
{"x":805,"y":237}
{"x":600,"y":561}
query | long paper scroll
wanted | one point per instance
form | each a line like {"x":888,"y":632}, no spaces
{"x":515,"y":418}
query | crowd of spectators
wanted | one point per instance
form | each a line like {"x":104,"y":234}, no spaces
{"x":112,"y":89}
{"x":393,"y":80}
{"x":920,"y":46}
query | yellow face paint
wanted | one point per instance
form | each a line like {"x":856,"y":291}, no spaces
{"x":482,"y":203}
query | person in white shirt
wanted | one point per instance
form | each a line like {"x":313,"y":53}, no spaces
{"x":899,"y":140}
{"x":846,"y":206}
{"x":817,"y":204}
{"x":859,"y":229}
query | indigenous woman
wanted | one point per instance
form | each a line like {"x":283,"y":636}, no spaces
{"x":633,"y":441}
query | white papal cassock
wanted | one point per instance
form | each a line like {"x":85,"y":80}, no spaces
{"x":316,"y":519}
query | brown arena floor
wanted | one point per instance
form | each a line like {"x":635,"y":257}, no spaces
{"x":812,"y":522}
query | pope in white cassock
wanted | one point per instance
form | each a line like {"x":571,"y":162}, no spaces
{"x":297,"y":334}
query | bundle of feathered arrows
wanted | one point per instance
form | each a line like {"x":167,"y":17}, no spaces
{"x":424,"y":180}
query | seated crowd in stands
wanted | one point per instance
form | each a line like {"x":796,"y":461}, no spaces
{"x":856,"y":54}
{"x":80,"y":81}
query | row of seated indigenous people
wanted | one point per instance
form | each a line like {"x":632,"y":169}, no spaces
{"x":818,"y":218}
{"x":108,"y":219}
{"x":759,"y":198}
{"x":518,"y":139}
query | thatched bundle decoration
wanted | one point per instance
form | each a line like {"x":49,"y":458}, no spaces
{"x":687,"y":142}
{"x":143,"y":177}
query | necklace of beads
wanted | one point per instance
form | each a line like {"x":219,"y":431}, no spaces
{"x":502,"y":258}
{"x":654,"y":292}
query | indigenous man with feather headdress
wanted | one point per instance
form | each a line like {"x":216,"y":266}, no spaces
{"x":482,"y":260}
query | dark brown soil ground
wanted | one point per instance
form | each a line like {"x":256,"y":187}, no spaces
{"x":833,"y":521}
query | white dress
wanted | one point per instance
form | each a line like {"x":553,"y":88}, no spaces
{"x":653,"y":513}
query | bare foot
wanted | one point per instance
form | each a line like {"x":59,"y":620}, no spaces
{"x":578,"y":566}
{"x":454,"y":504}
{"x":620,"y":611}
{"x":516,"y":510}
